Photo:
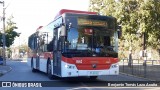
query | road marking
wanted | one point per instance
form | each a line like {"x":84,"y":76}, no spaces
{"x":24,"y":61}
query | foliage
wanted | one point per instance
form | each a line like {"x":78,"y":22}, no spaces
{"x":23,"y":48}
{"x":135,"y":16}
{"x":9,"y":32}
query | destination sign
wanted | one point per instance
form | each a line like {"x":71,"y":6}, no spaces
{"x":90,"y":22}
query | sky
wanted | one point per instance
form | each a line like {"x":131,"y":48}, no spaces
{"x":30,"y":14}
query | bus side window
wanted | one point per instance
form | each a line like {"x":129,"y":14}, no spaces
{"x":50,"y":46}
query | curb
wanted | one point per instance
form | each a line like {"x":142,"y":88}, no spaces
{"x":136,"y":76}
{"x":5,"y":70}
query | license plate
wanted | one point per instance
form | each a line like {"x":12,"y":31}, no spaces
{"x":93,"y":72}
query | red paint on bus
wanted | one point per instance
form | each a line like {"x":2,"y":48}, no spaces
{"x":86,"y":63}
{"x":75,"y":12}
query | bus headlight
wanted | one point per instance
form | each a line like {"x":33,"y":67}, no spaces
{"x":114,"y":65}
{"x":68,"y":66}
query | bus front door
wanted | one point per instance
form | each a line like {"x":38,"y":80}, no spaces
{"x":56,"y":55}
{"x":57,"y":64}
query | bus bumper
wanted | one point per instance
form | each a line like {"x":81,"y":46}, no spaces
{"x":70,"y":70}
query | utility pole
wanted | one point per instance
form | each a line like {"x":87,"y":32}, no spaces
{"x":3,"y":35}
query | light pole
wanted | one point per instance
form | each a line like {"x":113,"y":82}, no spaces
{"x":3,"y":35}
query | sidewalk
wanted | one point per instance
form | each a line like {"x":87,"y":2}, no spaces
{"x":7,"y":68}
{"x":4,"y":69}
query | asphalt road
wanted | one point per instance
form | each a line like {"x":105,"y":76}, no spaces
{"x":22,"y":72}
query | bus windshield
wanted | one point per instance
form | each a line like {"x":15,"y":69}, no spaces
{"x":90,"y":41}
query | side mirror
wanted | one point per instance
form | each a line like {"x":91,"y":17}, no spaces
{"x":119,"y":31}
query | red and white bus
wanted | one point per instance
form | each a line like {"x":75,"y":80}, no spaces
{"x":75,"y":43}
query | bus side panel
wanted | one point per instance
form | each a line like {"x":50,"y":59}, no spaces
{"x":29,"y":61}
{"x":34,"y":63}
{"x":38,"y":63}
{"x":43,"y":65}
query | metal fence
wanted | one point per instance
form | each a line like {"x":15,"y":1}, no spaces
{"x":149,"y":69}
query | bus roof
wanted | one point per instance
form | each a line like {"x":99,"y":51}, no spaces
{"x":74,"y":11}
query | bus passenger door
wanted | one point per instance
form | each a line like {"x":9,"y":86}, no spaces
{"x":56,"y":55}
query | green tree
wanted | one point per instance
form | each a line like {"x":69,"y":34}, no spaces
{"x":23,"y":48}
{"x":9,"y":32}
{"x":135,"y":16}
